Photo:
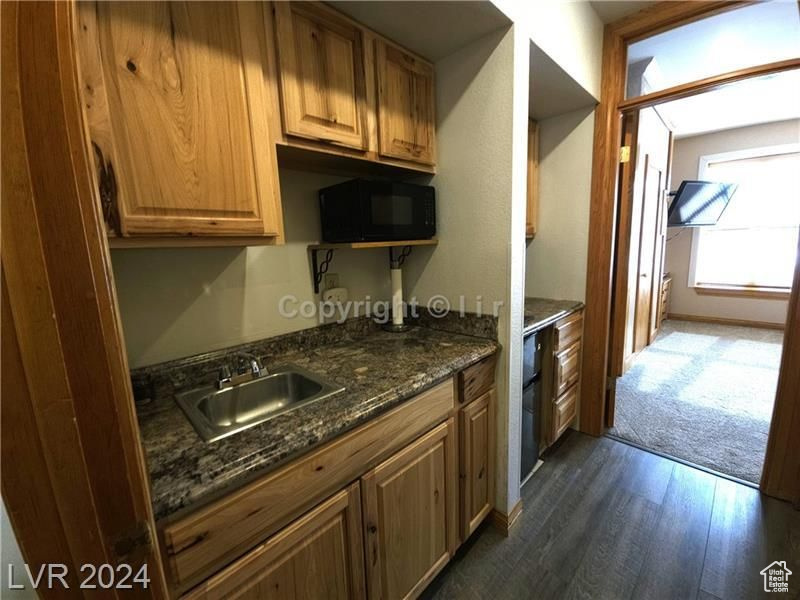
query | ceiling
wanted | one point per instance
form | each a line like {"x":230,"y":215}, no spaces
{"x":750,"y":102}
{"x":613,"y":10}
{"x":421,"y":26}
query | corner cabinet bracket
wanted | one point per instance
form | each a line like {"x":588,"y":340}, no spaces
{"x":320,"y":267}
{"x":397,"y":262}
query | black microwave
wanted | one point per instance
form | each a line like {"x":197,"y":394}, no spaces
{"x":369,"y":211}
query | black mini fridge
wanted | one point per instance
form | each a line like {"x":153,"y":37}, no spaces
{"x":531,"y":403}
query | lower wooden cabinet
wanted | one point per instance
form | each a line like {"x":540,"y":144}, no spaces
{"x":410,"y":515}
{"x":565,"y":409}
{"x":318,"y":556}
{"x":477,"y":461}
{"x":560,"y":408}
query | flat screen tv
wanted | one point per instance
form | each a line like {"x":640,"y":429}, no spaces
{"x":699,"y":203}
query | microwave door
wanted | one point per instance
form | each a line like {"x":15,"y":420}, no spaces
{"x":391,"y":216}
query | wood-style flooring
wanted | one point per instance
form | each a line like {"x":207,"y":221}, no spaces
{"x":602,"y":519}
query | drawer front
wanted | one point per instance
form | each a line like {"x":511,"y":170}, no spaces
{"x":327,"y":538}
{"x":476,"y":380}
{"x":564,"y":411}
{"x":212,"y":536}
{"x":568,"y":368}
{"x":567,"y":331}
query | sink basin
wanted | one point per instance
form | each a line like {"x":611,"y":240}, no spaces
{"x":216,"y":414}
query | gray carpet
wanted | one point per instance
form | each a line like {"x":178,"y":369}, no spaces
{"x":703,"y":393}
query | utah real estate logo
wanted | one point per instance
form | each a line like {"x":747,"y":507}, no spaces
{"x":776,"y":577}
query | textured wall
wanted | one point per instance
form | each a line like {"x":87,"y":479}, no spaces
{"x":556,"y":257}
{"x":686,"y":156}
{"x":569,"y":32}
{"x":480,"y":120}
{"x":178,"y":302}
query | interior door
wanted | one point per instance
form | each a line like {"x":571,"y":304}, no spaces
{"x":648,"y":237}
{"x":643,"y":179}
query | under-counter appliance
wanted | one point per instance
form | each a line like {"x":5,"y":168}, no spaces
{"x":360,"y":210}
{"x":531,"y":403}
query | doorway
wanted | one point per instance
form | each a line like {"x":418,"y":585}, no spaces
{"x":598,"y":408}
{"x":701,"y":303}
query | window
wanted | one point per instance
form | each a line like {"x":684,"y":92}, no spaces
{"x":753,"y":246}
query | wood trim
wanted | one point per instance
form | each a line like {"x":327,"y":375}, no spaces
{"x":709,"y":83}
{"x":214,"y":535}
{"x":742,"y":292}
{"x":65,"y":318}
{"x":532,"y":204}
{"x":188,"y":241}
{"x":781,"y":475}
{"x":724,"y":321}
{"x":502,"y":522}
{"x":619,"y":314}
{"x":668,"y":15}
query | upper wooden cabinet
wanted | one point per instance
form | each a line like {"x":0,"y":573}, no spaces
{"x":177,"y":109}
{"x":346,"y":91}
{"x":406,"y":122}
{"x":322,"y":79}
{"x":532,"y":212}
{"x":410,"y":511}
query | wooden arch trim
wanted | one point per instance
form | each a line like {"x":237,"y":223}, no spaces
{"x":74,"y":478}
{"x":782,"y":467}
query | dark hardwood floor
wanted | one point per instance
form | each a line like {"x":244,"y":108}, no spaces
{"x":602,"y":519}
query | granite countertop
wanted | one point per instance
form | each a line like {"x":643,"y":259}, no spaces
{"x":378,"y":369}
{"x":541,"y":312}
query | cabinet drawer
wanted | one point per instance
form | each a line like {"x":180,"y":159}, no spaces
{"x":568,"y":368}
{"x":564,"y":411}
{"x":320,"y":555}
{"x":567,"y":331}
{"x":476,"y":380}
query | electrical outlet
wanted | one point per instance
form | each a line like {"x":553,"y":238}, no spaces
{"x":331,"y":280}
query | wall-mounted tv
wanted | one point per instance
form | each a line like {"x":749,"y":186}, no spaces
{"x":699,"y":203}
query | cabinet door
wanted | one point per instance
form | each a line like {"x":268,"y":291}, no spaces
{"x":565,"y":408}
{"x":477,"y":462}
{"x":406,"y":121}
{"x":177,"y":109}
{"x":321,"y":64}
{"x":318,"y":556}
{"x":532,"y":212}
{"x":410,"y":506}
{"x":568,"y":368}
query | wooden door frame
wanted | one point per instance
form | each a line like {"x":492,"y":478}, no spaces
{"x":74,"y":481}
{"x":782,"y":467}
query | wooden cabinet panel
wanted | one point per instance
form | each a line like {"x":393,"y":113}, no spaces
{"x":406,"y":119}
{"x":318,"y":556}
{"x":214,"y":535}
{"x":176,"y":104}
{"x":321,"y":65}
{"x":567,"y":331}
{"x":564,"y":410}
{"x":476,"y":379}
{"x":410,"y":506}
{"x":532,"y":211}
{"x":568,"y":368}
{"x":477,"y":461}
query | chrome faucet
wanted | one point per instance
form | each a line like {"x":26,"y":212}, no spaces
{"x":248,"y":367}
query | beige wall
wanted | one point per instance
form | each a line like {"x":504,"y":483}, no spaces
{"x":10,"y":554}
{"x":556,"y":257}
{"x":686,"y":156}
{"x":179,"y":302}
{"x":569,"y":32}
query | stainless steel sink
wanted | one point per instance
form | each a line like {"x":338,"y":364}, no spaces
{"x":216,"y":414}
